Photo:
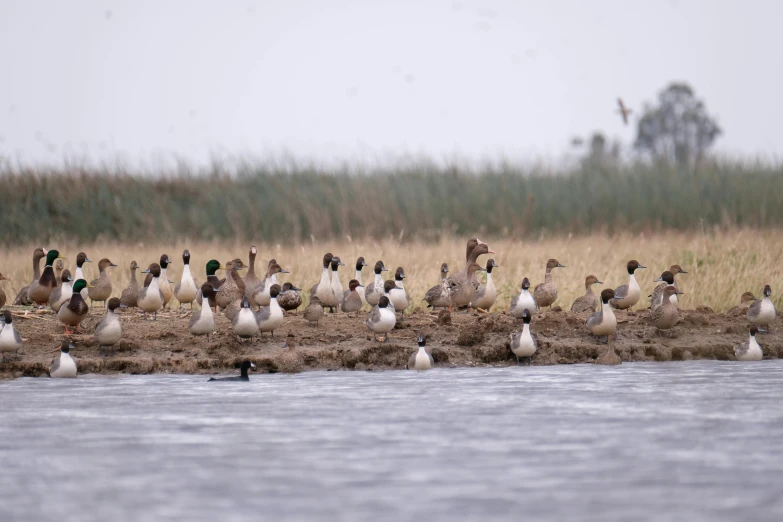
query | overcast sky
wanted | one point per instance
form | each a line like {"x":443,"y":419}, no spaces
{"x":150,"y":80}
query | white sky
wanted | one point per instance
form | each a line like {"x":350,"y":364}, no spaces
{"x":150,"y":80}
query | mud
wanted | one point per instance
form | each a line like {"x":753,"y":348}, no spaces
{"x":341,"y":343}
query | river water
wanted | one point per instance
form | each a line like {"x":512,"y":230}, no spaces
{"x":700,"y":440}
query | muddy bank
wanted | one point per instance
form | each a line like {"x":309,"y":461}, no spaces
{"x":343,"y":343}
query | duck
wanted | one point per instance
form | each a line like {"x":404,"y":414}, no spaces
{"x":245,"y":322}
{"x":10,"y":340}
{"x":151,"y":298}
{"x":421,"y":360}
{"x":100,"y":289}
{"x":246,"y":365}
{"x":656,"y":298}
{"x":22,"y":298}
{"x":398,"y":296}
{"x":59,"y":266}
{"x":545,"y":293}
{"x":524,"y":300}
{"x":749,"y":350}
{"x":322,"y":289}
{"x":81,"y":258}
{"x":202,"y":322}
{"x":314,"y":311}
{"x":213,"y":265}
{"x":185,"y":291}
{"x":109,"y":330}
{"x":40,"y":290}
{"x":487,"y":293}
{"x":233,"y":288}
{"x":63,"y":366}
{"x":261,"y":296}
{"x":337,"y":287}
{"x":130,"y":295}
{"x":374,"y":291}
{"x":291,"y":359}
{"x":62,"y":293}
{"x":587,"y":302}
{"x":3,"y":297}
{"x":603,"y":322}
{"x":665,"y":315}
{"x":746,"y":300}
{"x":73,"y":312}
{"x":463,"y":289}
{"x":388,"y":286}
{"x":360,"y":264}
{"x":524,"y":344}
{"x":762,"y":312}
{"x":438,"y":296}
{"x":251,"y":279}
{"x":270,"y":317}
{"x":289,"y":298}
{"x":632,"y":291}
{"x":163,"y":281}
{"x":352,"y":301}
{"x":381,"y":319}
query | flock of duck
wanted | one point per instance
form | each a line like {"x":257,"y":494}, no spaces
{"x":257,"y":305}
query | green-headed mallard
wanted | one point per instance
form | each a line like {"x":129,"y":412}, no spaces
{"x":213,"y":265}
{"x":72,"y":313}
{"x":40,"y":290}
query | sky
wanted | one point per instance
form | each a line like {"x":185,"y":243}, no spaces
{"x":149,"y":82}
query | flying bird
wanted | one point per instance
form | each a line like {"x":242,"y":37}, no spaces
{"x":623,"y":110}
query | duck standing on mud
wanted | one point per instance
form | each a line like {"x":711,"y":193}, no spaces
{"x":524,"y":344}
{"x":604,"y":322}
{"x":632,"y":292}
{"x":545,"y":293}
{"x":762,"y":311}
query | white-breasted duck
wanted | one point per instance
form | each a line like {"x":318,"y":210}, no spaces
{"x":75,"y":310}
{"x":524,"y":344}
{"x":109,"y":330}
{"x":251,"y":279}
{"x":22,"y":298}
{"x":388,"y":286}
{"x":101,"y":288}
{"x":750,"y":350}
{"x":290,"y":297}
{"x":213,"y":265}
{"x":150,"y":298}
{"x":81,"y":258}
{"x":323,"y":283}
{"x":270,"y":317}
{"x":62,"y":293}
{"x":604,"y":322}
{"x":163,"y":281}
{"x":487,"y":293}
{"x":242,"y":377}
{"x":64,"y":366}
{"x":261,"y":296}
{"x":245,"y":322}
{"x":398,"y":295}
{"x":381,"y":319}
{"x":10,"y":340}
{"x":421,"y":359}
{"x":352,"y":301}
{"x":523,"y":301}
{"x":589,"y":301}
{"x":665,"y":315}
{"x":360,"y":264}
{"x":374,"y":291}
{"x":631,"y":292}
{"x":202,"y":322}
{"x":314,"y":311}
{"x":545,"y":293}
{"x":439,"y":295}
{"x":130,"y":295}
{"x":185,"y":290}
{"x":337,"y":287}
{"x":762,"y":311}
{"x":39,"y":291}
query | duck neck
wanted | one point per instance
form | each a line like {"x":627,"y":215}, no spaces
{"x":325,"y":274}
{"x":632,"y":283}
{"x":206,"y":310}
{"x":422,"y":348}
{"x":752,"y":343}
{"x":185,"y":272}
{"x":548,"y":276}
{"x":378,"y":279}
{"x":606,"y":309}
{"x":133,"y":275}
{"x":444,"y":275}
{"x":589,"y":289}
{"x":274,"y":306}
{"x":154,"y":283}
{"x":489,"y":278}
{"x":400,"y":285}
{"x":358,"y":276}
{"x":36,"y":268}
{"x":252,"y":262}
{"x":526,"y":329}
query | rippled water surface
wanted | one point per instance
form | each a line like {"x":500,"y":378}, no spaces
{"x":688,"y":441}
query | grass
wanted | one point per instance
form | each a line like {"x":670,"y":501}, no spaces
{"x":721,"y":266}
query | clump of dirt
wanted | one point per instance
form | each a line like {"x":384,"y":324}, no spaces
{"x":470,"y":335}
{"x":444,"y":317}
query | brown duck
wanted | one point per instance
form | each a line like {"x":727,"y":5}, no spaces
{"x":39,"y":292}
{"x":587,"y":302}
{"x":545,"y":293}
{"x":130,"y":295}
{"x":100,"y":289}
{"x":22,"y":298}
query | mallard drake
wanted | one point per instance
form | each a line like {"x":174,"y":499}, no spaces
{"x":251,"y":280}
{"x":109,"y":330}
{"x":750,"y":349}
{"x":63,"y":366}
{"x":587,"y":302}
{"x":360,"y":264}
{"x":665,"y":316}
{"x":374,"y":291}
{"x":100,"y":289}
{"x":762,"y":312}
{"x":421,"y":360}
{"x":486,"y":293}
{"x":632,"y":291}
{"x":130,"y":296}
{"x":524,"y":344}
{"x":185,"y":291}
{"x":62,"y":293}
{"x":290,"y":360}
{"x":398,"y":295}
{"x":213,"y":265}
{"x":314,"y":311}
{"x":233,"y":288}
{"x":289,"y":298}
{"x":245,"y":322}
{"x":603,"y":322}
{"x":39,"y":292}
{"x":523,"y":301}
{"x":151,"y":297}
{"x":73,"y":312}
{"x":270,"y":317}
{"x":545,"y":293}
{"x":163,"y":281}
{"x":81,"y":258}
{"x":202,"y":322}
{"x":438,"y":296}
{"x":2,"y":292}
{"x":261,"y":296}
{"x":352,"y":301}
{"x":246,"y":365}
{"x":464,"y":285}
{"x":22,"y":298}
{"x":10,"y":340}
{"x":381,"y":319}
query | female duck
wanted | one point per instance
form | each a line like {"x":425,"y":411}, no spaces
{"x":438,"y":296}
{"x":10,"y":340}
{"x":202,"y":322}
{"x":109,"y":330}
{"x":185,"y":291}
{"x":381,"y":319}
{"x":374,"y":291}
{"x":233,"y":288}
{"x":61,"y":294}
{"x":464,"y":285}
{"x":314,"y":311}
{"x":130,"y":296}
{"x":749,"y":350}
{"x":290,"y":360}
{"x":421,"y":360}
{"x":603,"y":322}
{"x":270,"y":317}
{"x":39,"y":291}
{"x":762,"y":312}
{"x":245,"y":322}
{"x":486,"y":294}
{"x":23,"y":298}
{"x":72,"y":313}
{"x":589,"y":301}
{"x":63,"y":366}
{"x":262,"y":296}
{"x":665,"y":315}
{"x":289,"y":298}
{"x":632,"y":291}
{"x":398,"y":295}
{"x":100,"y":289}
{"x":545,"y":293}
{"x":151,"y":297}
{"x":251,"y":280}
{"x":656,"y":298}
{"x":524,"y":344}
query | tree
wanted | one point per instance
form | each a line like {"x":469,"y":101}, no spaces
{"x":679,"y":129}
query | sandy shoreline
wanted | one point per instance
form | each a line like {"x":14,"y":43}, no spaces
{"x":343,"y":343}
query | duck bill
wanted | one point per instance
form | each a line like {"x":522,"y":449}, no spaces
{"x":640,"y":266}
{"x":560,"y":266}
{"x":599,"y":282}
{"x":62,"y":257}
{"x":285,"y":271}
{"x":89,"y":286}
{"x":657,"y":280}
{"x":296,"y":289}
{"x":112,"y":264}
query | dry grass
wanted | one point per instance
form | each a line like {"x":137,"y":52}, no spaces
{"x":720,"y":266}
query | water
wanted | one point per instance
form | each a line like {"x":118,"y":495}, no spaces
{"x":688,"y":441}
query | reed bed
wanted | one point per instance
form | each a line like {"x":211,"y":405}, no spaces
{"x":721,"y":266}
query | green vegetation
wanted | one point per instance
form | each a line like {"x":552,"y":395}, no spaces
{"x":418,"y":201}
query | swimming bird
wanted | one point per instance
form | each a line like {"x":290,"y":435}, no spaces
{"x":421,"y":360}
{"x":398,"y":296}
{"x":213,"y":265}
{"x":289,"y":298}
{"x":109,"y":330}
{"x":623,"y":110}
{"x":130,"y":295}
{"x":603,"y":322}
{"x":750,"y":349}
{"x":656,"y":298}
{"x":10,"y":340}
{"x":163,"y":281}
{"x":381,"y":319}
{"x":487,"y":293}
{"x":151,"y":297}
{"x":632,"y":291}
{"x":73,"y":312}
{"x":261,"y":296}
{"x":323,"y":288}
{"x":251,"y":280}
{"x":360,"y":264}
{"x":22,"y":298}
{"x":100,"y":289}
{"x":545,"y":293}
{"x":352,"y":301}
{"x":62,"y":293}
{"x":524,"y":300}
{"x":762,"y":312}
{"x":245,"y":322}
{"x":665,"y":315}
{"x":270,"y":317}
{"x":202,"y":322}
{"x":2,"y":292}
{"x":374,"y":291}
{"x":63,"y":366}
{"x":463,"y":285}
{"x":185,"y":291}
{"x":291,"y":359}
{"x":246,"y":365}
{"x":587,"y":302}
{"x":39,"y":291}
{"x":314,"y":311}
{"x":524,"y":344}
{"x":233,"y":288}
{"x":439,"y":296}
{"x":81,"y":258}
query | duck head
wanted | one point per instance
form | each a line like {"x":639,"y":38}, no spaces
{"x":633,"y":266}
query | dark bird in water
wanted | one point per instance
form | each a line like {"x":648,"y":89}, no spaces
{"x":246,"y":365}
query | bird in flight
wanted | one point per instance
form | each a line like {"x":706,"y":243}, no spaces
{"x":625,"y":111}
